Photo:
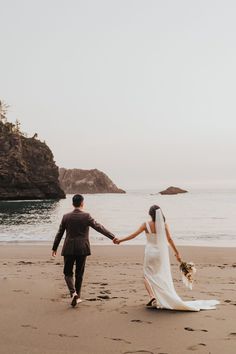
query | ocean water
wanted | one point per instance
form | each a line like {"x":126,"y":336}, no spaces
{"x":200,"y":217}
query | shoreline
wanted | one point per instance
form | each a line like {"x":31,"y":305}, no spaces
{"x":128,"y":244}
{"x":197,"y":254}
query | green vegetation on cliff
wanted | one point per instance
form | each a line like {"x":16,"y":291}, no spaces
{"x":27,"y":166}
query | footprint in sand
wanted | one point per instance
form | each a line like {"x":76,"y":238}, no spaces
{"x":28,"y":326}
{"x":196,"y":347}
{"x":63,"y":335}
{"x":21,"y":291}
{"x":104,"y":297}
{"x":141,"y":352}
{"x":193,"y":330}
{"x":105,"y":292}
{"x":232,"y":335}
{"x":93,"y":299}
{"x":140,"y":321}
{"x":118,"y":340}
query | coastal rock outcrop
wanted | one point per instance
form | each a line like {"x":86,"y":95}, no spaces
{"x":173,"y":190}
{"x":27,"y":167}
{"x":74,"y":181}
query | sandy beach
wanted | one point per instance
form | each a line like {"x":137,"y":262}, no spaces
{"x":36,"y":316}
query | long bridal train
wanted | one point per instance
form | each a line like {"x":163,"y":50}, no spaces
{"x":157,"y":272}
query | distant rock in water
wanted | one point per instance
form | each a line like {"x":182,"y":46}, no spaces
{"x":74,"y":181}
{"x":27,"y":167}
{"x":173,"y":190}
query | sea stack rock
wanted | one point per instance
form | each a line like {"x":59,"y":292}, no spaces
{"x":27,"y":167}
{"x":173,"y":190}
{"x":74,"y":181}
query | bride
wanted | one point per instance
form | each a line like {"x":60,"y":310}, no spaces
{"x":157,"y":273}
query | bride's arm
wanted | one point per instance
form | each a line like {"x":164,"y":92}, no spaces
{"x":171,"y":242}
{"x":133,"y":235}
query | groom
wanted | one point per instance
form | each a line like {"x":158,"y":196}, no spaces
{"x":76,"y":246}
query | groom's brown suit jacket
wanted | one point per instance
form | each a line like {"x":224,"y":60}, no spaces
{"x":76,"y":224}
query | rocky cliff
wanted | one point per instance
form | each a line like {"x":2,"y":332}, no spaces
{"x":27,"y":167}
{"x":86,"y":181}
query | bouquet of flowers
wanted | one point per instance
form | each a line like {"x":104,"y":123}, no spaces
{"x":187,"y":270}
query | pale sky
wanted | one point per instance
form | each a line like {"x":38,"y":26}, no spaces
{"x":143,"y":90}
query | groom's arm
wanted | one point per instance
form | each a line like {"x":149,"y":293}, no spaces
{"x":100,"y":228}
{"x":59,"y":234}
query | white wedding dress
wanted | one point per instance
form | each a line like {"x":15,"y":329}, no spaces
{"x":157,"y":272}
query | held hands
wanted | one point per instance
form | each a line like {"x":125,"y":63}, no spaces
{"x":116,"y":241}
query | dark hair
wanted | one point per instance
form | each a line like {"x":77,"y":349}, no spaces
{"x":152,"y":212}
{"x":77,"y":200}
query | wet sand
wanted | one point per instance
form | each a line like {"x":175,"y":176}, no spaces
{"x":36,"y":316}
